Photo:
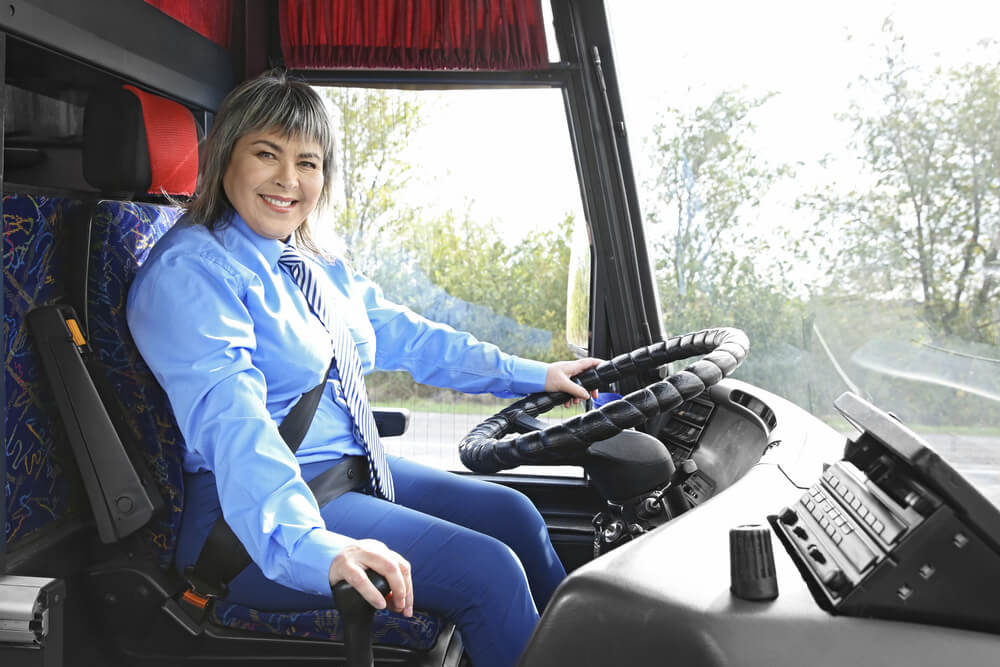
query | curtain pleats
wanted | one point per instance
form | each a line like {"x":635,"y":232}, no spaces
{"x":413,"y":34}
{"x":209,"y":18}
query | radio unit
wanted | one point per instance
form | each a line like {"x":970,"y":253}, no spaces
{"x":893,"y":531}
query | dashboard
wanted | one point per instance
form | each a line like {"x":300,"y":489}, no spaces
{"x":915,"y":584}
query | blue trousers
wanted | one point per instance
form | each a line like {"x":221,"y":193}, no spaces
{"x":480,"y":552}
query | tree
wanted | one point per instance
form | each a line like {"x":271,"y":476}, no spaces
{"x":521,"y":287}
{"x":706,"y":179}
{"x":928,"y":226}
{"x":709,"y":272}
{"x":373,"y":129}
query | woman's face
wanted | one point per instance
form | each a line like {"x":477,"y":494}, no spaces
{"x":273,"y":181}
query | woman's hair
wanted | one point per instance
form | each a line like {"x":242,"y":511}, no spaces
{"x":273,"y":102}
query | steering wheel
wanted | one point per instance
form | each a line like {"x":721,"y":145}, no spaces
{"x":485,"y":450}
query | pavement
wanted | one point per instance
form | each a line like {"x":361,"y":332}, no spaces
{"x":433,"y":439}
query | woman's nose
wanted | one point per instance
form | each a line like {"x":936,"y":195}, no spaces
{"x":287,"y":176}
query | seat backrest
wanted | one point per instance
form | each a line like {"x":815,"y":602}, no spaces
{"x":137,"y":142}
{"x":42,"y":486}
{"x":122,"y":234}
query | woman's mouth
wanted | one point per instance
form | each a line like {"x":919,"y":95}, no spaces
{"x":278,"y":203}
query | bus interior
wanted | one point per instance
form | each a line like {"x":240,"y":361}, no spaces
{"x":704,"y":519}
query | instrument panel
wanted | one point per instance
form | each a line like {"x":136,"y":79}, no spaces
{"x":915,"y":544}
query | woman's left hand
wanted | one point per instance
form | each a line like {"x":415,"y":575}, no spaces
{"x":558,"y":378}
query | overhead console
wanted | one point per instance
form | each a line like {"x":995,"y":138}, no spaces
{"x":893,"y":531}
{"x":165,"y":56}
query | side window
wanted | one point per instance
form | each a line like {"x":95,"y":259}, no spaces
{"x":830,"y":183}
{"x":42,"y":139}
{"x":461,"y":205}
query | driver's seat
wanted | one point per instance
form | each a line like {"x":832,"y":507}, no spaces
{"x":140,"y":577}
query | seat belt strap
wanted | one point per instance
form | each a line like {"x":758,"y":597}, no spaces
{"x":223,"y":556}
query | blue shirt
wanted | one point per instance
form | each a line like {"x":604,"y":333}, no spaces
{"x":231,"y":339}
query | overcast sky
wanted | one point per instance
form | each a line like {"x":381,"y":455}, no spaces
{"x":506,"y":154}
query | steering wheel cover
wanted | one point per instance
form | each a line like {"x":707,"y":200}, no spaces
{"x":484,"y":449}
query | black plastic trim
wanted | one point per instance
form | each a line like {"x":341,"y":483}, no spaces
{"x":166,"y":56}
{"x":624,"y":312}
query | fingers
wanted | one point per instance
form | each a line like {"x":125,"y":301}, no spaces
{"x":559,"y":373}
{"x":355,"y":559}
{"x":406,"y":604}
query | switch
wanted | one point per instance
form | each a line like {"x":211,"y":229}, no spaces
{"x":838,"y":582}
{"x":788,"y":516}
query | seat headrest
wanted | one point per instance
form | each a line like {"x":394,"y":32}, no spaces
{"x":134,"y":141}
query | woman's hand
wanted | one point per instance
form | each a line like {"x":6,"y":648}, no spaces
{"x":558,"y":378}
{"x":372,"y":554}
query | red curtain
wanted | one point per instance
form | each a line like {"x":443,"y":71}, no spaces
{"x":209,"y":18}
{"x":413,"y":34}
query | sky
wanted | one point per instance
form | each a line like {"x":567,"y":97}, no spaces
{"x":519,"y":171}
{"x":809,"y":54}
{"x":682,"y":54}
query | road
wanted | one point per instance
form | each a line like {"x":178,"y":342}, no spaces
{"x":433,"y":439}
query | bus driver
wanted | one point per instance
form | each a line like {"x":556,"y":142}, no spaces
{"x":238,"y":313}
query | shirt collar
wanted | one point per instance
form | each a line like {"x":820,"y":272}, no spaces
{"x":270,"y":248}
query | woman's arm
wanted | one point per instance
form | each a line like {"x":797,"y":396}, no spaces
{"x":195,"y":333}
{"x":436,"y":354}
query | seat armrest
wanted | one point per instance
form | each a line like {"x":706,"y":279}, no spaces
{"x":391,"y":421}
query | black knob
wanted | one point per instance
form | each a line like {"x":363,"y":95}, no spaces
{"x":358,"y":617}
{"x":838,"y":582}
{"x":751,"y":563}
{"x":788,"y":516}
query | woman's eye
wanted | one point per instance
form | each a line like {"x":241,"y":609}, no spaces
{"x":305,"y":164}
{"x":267,"y":155}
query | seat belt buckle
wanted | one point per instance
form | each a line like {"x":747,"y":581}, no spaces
{"x":191,"y":608}
{"x":196,"y":602}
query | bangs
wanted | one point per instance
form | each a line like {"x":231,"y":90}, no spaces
{"x":291,"y":111}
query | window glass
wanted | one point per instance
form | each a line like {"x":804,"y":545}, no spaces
{"x":827,"y":178}
{"x":578,"y":289}
{"x":460,"y":205}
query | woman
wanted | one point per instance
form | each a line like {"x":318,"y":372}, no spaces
{"x":235,"y":337}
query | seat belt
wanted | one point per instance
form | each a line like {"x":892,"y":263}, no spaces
{"x":223,"y":556}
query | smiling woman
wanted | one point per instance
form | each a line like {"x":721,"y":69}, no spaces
{"x":280,"y":147}
{"x":274,"y":181}
{"x":256,"y":320}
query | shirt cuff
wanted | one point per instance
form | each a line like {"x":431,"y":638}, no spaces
{"x":313,"y":557}
{"x":528,"y":376}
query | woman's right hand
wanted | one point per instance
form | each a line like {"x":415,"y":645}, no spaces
{"x":362,"y":555}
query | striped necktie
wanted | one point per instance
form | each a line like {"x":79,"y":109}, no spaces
{"x":348,"y":363}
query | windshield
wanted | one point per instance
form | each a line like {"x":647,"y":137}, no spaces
{"x":827,"y":178}
{"x":436,"y":203}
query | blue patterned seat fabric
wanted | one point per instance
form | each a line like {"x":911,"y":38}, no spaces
{"x":122,"y":235}
{"x":42,"y":485}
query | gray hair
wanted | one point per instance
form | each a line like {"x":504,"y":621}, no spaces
{"x":271,"y":102}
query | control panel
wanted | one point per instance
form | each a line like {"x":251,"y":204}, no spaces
{"x":684,"y":427}
{"x":893,"y":531}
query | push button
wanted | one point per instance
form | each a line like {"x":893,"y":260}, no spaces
{"x":789,"y":516}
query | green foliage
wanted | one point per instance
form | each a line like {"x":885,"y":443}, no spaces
{"x":928,"y":226}
{"x":706,"y":179}
{"x":708,"y":270}
{"x":451,"y":268}
{"x":525,"y":282}
{"x":373,"y":129}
